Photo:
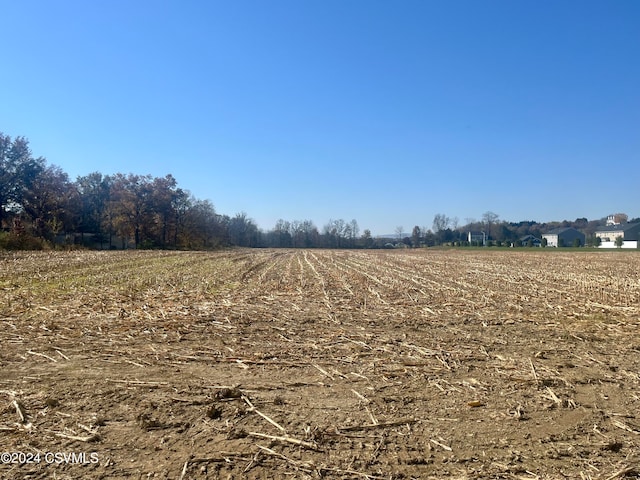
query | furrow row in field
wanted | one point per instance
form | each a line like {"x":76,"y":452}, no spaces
{"x":504,"y":284}
{"x":352,"y":292}
{"x":144,"y":284}
{"x":428,"y":287}
{"x":327,"y":283}
{"x":584,"y":272}
{"x":553,"y":286}
{"x":102,"y":268}
{"x":490,"y":288}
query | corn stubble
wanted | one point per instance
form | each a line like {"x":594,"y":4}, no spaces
{"x":322,"y":364}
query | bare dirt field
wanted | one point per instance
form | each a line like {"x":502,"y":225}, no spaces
{"x":265,"y":364}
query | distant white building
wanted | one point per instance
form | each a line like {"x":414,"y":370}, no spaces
{"x":617,"y":219}
{"x":628,"y":231}
{"x":563,"y":237}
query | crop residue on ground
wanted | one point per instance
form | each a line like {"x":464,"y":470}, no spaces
{"x":320,"y":364}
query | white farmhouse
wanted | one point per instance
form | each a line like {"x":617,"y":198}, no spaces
{"x":628,"y":231}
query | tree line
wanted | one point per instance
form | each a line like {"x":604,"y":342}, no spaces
{"x":41,"y":206}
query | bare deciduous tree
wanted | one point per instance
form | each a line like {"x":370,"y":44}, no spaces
{"x":440,"y":222}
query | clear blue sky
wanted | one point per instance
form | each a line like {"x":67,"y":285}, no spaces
{"x":384,"y":111}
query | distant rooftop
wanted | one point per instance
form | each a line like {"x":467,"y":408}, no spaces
{"x":558,"y":231}
{"x":620,"y":227}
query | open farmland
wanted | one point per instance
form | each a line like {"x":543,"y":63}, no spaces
{"x":321,"y":364}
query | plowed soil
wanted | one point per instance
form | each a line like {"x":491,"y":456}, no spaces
{"x":264,"y":364}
